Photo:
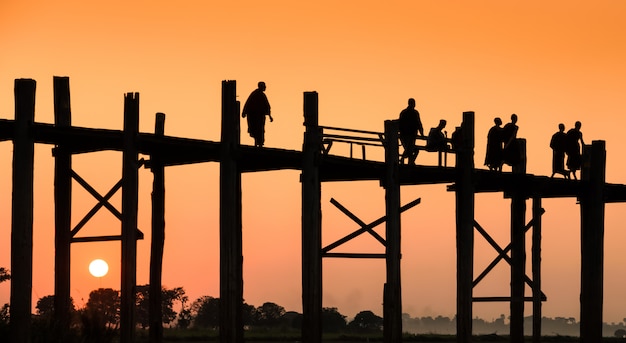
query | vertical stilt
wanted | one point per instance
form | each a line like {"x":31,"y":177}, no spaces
{"x":62,"y":210}
{"x":536,"y":269}
{"x":518,"y":253}
{"x":392,"y":302}
{"x":155,"y":312}
{"x":592,"y":244}
{"x":130,"y":190}
{"x":22,"y":212}
{"x":311,"y":224}
{"x":465,"y":229}
{"x":231,"y":254}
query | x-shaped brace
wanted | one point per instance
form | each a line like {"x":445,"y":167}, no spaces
{"x":103,"y":201}
{"x":364,"y":227}
{"x":503,"y":253}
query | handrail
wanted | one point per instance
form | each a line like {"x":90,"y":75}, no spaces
{"x":369,"y":138}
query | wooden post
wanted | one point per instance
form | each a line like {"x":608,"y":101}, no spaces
{"x":155,"y":312}
{"x":465,"y":229}
{"x":130,"y":190}
{"x":392,"y":302}
{"x":22,"y":212}
{"x":592,"y":244}
{"x":231,"y":254}
{"x":536,"y":268}
{"x":311,"y":224}
{"x":62,"y":210}
{"x":518,"y":252}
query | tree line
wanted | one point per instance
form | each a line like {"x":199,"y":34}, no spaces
{"x":100,"y":317}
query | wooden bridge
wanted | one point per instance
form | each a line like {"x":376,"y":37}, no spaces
{"x":317,"y":165}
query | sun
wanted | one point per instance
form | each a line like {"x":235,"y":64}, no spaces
{"x":98,"y":268}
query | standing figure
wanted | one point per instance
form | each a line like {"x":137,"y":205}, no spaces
{"x":511,"y":151}
{"x":493,"y":156}
{"x":558,"y":143}
{"x":255,"y":109}
{"x":410,"y":125}
{"x":572,"y":149}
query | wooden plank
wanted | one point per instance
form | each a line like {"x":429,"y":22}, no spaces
{"x":155,"y":311}
{"x":62,"y":210}
{"x":464,"y":192}
{"x":130,"y":189}
{"x":392,"y":295}
{"x":311,"y":224}
{"x":22,"y":213}
{"x":518,"y":252}
{"x":231,"y":255}
{"x":592,"y":244}
{"x":536,"y":269}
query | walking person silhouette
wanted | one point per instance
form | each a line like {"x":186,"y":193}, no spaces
{"x":410,"y":125}
{"x":255,"y":109}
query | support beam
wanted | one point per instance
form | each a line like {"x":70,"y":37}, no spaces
{"x":155,"y":312}
{"x":464,"y":228}
{"x":311,"y":224}
{"x":231,"y":254}
{"x":536,"y":269}
{"x":130,"y":190}
{"x":392,"y":302}
{"x":592,"y":243}
{"x":518,"y":252}
{"x":62,"y":211}
{"x":22,"y":212}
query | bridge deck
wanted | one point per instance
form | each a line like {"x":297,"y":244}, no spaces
{"x":179,"y":151}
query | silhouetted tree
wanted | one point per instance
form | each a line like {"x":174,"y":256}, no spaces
{"x":4,"y":275}
{"x":269,"y":314}
{"x":332,"y":320}
{"x":104,"y":306}
{"x":366,"y":321}
{"x":249,"y":314}
{"x":168,"y":298}
{"x":207,"y":312}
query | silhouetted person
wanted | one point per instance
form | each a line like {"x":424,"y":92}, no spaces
{"x":511,"y":151}
{"x":436,"y":140}
{"x":410,"y":125}
{"x":572,"y":148}
{"x":255,"y":109}
{"x":493,"y":156}
{"x":558,"y":143}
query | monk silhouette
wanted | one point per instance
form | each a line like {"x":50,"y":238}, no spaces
{"x":493,"y":156}
{"x":558,"y":143}
{"x":255,"y":109}
{"x":574,"y":158}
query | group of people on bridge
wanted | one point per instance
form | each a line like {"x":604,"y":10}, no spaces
{"x":410,"y":127}
{"x":502,"y":144}
{"x":503,"y":147}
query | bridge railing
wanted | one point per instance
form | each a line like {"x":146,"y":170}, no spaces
{"x":360,"y":139}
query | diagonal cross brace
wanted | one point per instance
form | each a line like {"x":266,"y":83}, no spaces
{"x":102,"y":200}
{"x":502,"y":253}
{"x":364,"y":227}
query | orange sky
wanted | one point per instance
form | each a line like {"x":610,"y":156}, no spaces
{"x":549,"y":62}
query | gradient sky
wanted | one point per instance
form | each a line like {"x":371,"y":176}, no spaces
{"x":547,"y":61}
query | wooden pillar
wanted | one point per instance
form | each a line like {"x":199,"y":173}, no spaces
{"x":22,"y":212}
{"x":231,"y":255}
{"x":464,"y":192}
{"x":311,"y":224}
{"x":392,"y":302}
{"x":130,"y":190}
{"x":518,"y":252}
{"x":592,"y":244}
{"x":155,"y":312}
{"x":62,"y":210}
{"x":536,"y":268}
